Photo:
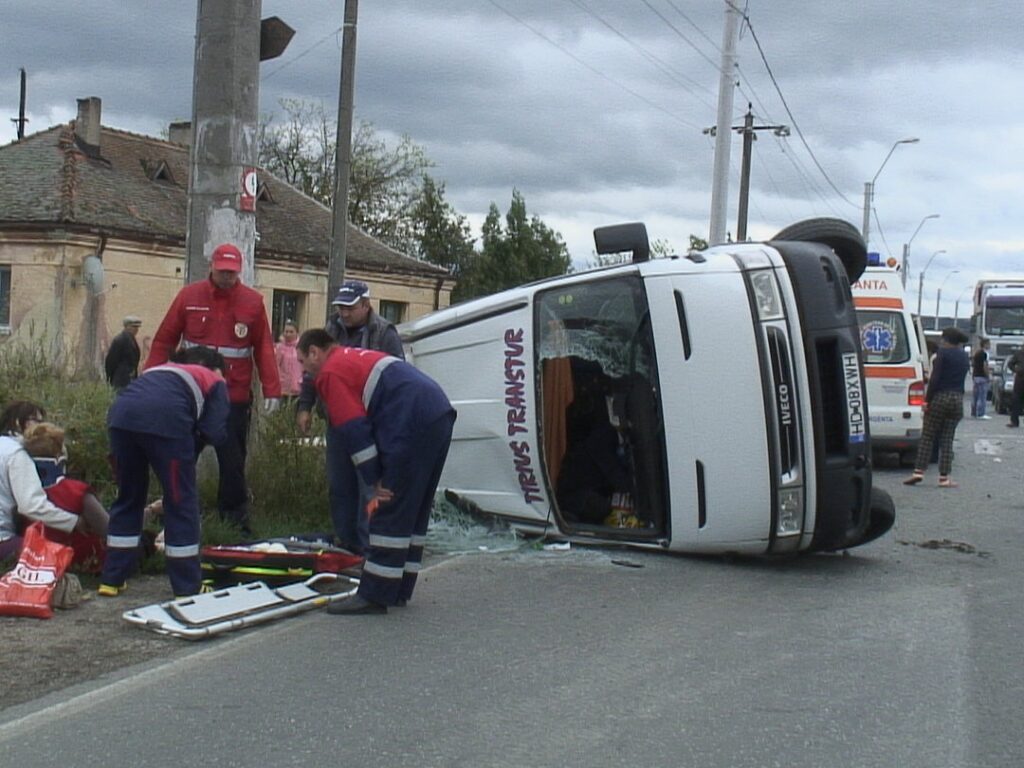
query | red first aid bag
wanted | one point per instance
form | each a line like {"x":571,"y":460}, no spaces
{"x":28,"y":589}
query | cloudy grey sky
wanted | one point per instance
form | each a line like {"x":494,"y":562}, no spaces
{"x":595,"y":109}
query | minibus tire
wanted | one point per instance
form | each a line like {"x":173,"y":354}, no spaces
{"x":882,"y":516}
{"x":841,"y":236}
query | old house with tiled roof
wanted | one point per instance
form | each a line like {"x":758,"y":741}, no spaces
{"x":91,"y":231}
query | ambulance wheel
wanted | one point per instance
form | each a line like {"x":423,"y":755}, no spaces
{"x":841,"y":236}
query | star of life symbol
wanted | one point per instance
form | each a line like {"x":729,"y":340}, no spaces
{"x":877,"y":337}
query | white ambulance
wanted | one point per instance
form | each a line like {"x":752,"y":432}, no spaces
{"x":707,"y":402}
{"x":895,"y":361}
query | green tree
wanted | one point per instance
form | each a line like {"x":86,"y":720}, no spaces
{"x":442,"y":234}
{"x":525,"y":249}
{"x":384,"y":183}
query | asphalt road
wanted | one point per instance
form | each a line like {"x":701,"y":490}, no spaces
{"x":905,"y":652}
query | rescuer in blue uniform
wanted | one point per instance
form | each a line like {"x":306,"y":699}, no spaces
{"x":395,"y":425}
{"x":156,"y":421}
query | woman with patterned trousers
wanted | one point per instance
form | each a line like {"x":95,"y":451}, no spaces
{"x":943,"y":406}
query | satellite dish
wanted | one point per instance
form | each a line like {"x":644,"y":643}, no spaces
{"x":92,"y":274}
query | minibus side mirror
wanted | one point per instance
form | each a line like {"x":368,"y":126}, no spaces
{"x":620,"y":238}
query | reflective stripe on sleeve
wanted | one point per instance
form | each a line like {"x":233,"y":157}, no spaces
{"x":193,"y":385}
{"x":374,"y":377}
{"x":382,"y":571}
{"x":389,"y":542}
{"x":365,"y":455}
{"x":189,"y":550}
{"x":417,"y":540}
{"x":122,"y":542}
{"x":412,"y":567}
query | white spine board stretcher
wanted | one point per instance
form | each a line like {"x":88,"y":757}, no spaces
{"x":246,"y":605}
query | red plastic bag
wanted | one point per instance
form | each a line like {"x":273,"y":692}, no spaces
{"x":28,"y":589}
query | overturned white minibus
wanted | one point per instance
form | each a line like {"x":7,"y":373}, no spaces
{"x":712,"y":402}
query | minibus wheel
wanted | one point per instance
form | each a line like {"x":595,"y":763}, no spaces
{"x":882,"y":516}
{"x":841,"y":236}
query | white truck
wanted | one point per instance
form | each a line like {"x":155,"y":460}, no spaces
{"x":712,"y":402}
{"x":999,"y":317}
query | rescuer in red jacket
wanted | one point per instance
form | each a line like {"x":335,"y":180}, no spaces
{"x":393,"y":423}
{"x":229,"y":317}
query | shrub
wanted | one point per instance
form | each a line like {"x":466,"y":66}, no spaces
{"x":286,"y":475}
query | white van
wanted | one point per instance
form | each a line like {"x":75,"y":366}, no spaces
{"x":711,"y":402}
{"x":895,"y":361}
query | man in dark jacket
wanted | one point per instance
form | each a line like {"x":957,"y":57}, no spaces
{"x":354,"y":324}
{"x":1015,"y":364}
{"x":122,"y":361}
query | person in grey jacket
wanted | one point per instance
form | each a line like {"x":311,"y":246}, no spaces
{"x":354,"y":324}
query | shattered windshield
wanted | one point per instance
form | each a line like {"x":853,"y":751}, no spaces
{"x":603,"y":436}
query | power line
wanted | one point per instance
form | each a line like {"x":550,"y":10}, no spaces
{"x":685,"y":39}
{"x":677,"y":77}
{"x":700,"y":31}
{"x":778,"y":192}
{"x":291,"y":61}
{"x":789,"y":112}
{"x":878,"y":226}
{"x":590,"y":68}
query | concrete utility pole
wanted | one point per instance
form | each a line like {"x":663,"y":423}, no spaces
{"x":747,"y":129}
{"x":343,"y":153}
{"x":720,"y":176}
{"x":225,"y":114}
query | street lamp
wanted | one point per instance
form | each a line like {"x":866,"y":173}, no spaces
{"x":906,"y":249}
{"x":956,"y":306}
{"x":920,"y":277}
{"x":938,"y":297}
{"x":869,"y":187}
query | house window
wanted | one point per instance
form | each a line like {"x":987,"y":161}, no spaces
{"x":392,"y":311}
{"x":5,"y":296}
{"x":287,"y":306}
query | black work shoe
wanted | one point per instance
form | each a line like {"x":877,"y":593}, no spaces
{"x":355,"y":605}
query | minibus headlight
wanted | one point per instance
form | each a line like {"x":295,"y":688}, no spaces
{"x":766,"y":295}
{"x":791,"y":506}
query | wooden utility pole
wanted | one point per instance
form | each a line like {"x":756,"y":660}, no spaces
{"x":343,"y":153}
{"x":20,"y":120}
{"x":747,"y":129}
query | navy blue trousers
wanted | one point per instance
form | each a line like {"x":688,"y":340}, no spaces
{"x":174,"y":462}
{"x":398,"y":529}
{"x":232,"y":491}
{"x":347,"y":495}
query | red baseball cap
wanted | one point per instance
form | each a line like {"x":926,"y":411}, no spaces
{"x":227,"y":257}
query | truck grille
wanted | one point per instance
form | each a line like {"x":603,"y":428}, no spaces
{"x":785,"y":401}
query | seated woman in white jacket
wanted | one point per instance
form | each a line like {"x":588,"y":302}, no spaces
{"x":21,"y":491}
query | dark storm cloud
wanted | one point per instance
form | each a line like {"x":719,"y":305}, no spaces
{"x":590,"y":119}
